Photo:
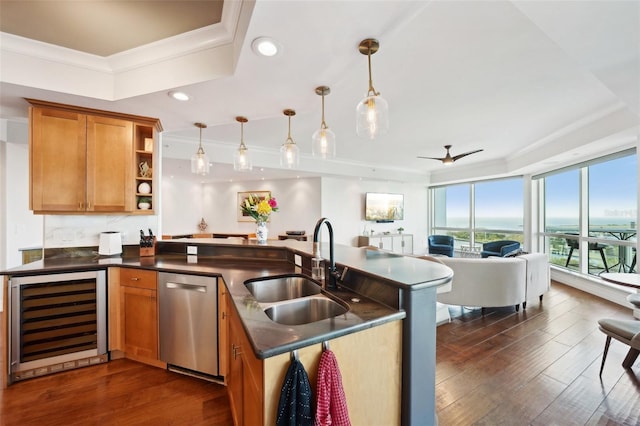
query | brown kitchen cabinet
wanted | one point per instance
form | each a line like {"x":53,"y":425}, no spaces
{"x":139,"y":315}
{"x":88,"y":161}
{"x":245,"y":376}
{"x":223,"y":332}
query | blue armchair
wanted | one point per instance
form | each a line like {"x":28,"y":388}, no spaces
{"x":499,"y":248}
{"x":440,"y":244}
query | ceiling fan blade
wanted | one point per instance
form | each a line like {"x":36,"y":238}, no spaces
{"x":432,"y":158}
{"x":459,"y":156}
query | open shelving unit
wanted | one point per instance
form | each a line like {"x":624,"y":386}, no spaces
{"x":144,"y":144}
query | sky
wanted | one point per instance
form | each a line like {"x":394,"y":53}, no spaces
{"x":612,"y":196}
{"x":613,"y":191}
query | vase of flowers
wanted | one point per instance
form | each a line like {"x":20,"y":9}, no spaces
{"x":260,"y":210}
{"x":262,"y":232}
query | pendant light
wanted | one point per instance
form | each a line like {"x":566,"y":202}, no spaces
{"x":373,"y":111}
{"x":200,"y":160}
{"x":289,"y":156}
{"x":323,"y":141}
{"x":241,"y":160}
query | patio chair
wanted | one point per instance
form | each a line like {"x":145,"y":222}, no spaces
{"x":575,"y":244}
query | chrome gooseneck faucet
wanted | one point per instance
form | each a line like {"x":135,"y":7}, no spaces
{"x":333,"y":274}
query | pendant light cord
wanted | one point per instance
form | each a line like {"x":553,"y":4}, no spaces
{"x":242,"y":135}
{"x":323,"y":125}
{"x":289,"y":139}
{"x":372,"y":91}
{"x":200,"y":150}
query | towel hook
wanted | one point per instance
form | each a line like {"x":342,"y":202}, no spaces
{"x":325,"y":345}
{"x":294,"y":355}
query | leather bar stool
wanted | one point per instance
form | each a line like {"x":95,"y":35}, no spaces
{"x":625,"y":331}
{"x":634,"y":299}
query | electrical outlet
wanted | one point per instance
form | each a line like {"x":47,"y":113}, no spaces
{"x":192,"y":250}
{"x":297,"y":260}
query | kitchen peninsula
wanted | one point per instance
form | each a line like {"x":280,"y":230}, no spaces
{"x":395,"y":297}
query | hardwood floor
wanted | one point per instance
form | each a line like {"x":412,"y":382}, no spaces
{"x":538,"y":366}
{"x":121,"y":392}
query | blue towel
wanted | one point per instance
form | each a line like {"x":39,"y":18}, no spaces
{"x":296,"y":398}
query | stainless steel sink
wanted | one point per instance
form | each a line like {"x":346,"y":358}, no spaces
{"x":305,"y":311}
{"x":289,"y":287}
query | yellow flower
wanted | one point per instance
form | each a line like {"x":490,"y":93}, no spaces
{"x":264,"y":208}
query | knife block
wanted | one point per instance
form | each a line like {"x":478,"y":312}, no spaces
{"x":148,"y":251}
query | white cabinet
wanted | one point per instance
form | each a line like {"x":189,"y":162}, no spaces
{"x":397,"y":243}
{"x":403,"y":243}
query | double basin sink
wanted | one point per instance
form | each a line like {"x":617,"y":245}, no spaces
{"x":294,"y":300}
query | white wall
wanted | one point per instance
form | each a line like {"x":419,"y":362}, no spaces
{"x":182,"y":206}
{"x":3,"y":204}
{"x":185,"y":203}
{"x":301,"y":203}
{"x":22,"y":229}
{"x":343,"y":205}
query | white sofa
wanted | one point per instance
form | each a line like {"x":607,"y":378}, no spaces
{"x":496,"y":281}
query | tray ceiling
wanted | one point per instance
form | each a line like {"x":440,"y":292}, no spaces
{"x":105,"y":28}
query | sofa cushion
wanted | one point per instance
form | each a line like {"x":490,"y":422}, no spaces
{"x":489,"y":282}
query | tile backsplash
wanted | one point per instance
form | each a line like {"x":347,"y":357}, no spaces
{"x":84,"y":230}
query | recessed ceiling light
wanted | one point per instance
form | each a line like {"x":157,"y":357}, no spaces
{"x":180,"y":96}
{"x":265,"y":46}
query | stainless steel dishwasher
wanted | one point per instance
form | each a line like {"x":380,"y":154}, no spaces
{"x":189,"y":323}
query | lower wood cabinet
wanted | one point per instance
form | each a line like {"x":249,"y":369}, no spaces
{"x":245,"y":377}
{"x":140,"y":322}
{"x":133,"y":314}
{"x":370,"y":364}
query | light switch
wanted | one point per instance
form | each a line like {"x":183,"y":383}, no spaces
{"x":192,"y":249}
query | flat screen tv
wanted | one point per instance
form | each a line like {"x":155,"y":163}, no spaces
{"x":383,"y":207}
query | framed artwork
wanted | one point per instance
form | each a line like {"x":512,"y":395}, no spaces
{"x":242,"y":196}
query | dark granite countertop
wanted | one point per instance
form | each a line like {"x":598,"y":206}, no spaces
{"x":267,"y":337}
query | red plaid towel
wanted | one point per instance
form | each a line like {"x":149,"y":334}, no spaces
{"x":331,"y":408}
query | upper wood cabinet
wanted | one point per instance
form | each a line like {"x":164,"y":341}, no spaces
{"x":88,"y":161}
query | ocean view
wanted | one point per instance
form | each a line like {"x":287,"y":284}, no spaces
{"x":512,"y":223}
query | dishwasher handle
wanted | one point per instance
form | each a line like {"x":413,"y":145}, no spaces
{"x":188,"y":287}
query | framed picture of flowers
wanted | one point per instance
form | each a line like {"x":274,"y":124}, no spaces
{"x":256,"y":197}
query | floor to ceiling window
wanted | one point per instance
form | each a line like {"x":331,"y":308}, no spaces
{"x":479,"y":212}
{"x":589,"y":215}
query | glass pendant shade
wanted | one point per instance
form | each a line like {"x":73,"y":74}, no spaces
{"x":241,"y":160}
{"x":200,"y":161}
{"x":289,"y":155}
{"x":372,"y":117}
{"x":372,"y":113}
{"x":323,"y":141}
{"x":289,"y":152}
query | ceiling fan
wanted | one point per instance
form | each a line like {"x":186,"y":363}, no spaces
{"x":448,"y":159}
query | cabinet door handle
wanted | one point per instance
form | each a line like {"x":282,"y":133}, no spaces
{"x":135,"y":279}
{"x":224,"y":315}
{"x":236,"y":351}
